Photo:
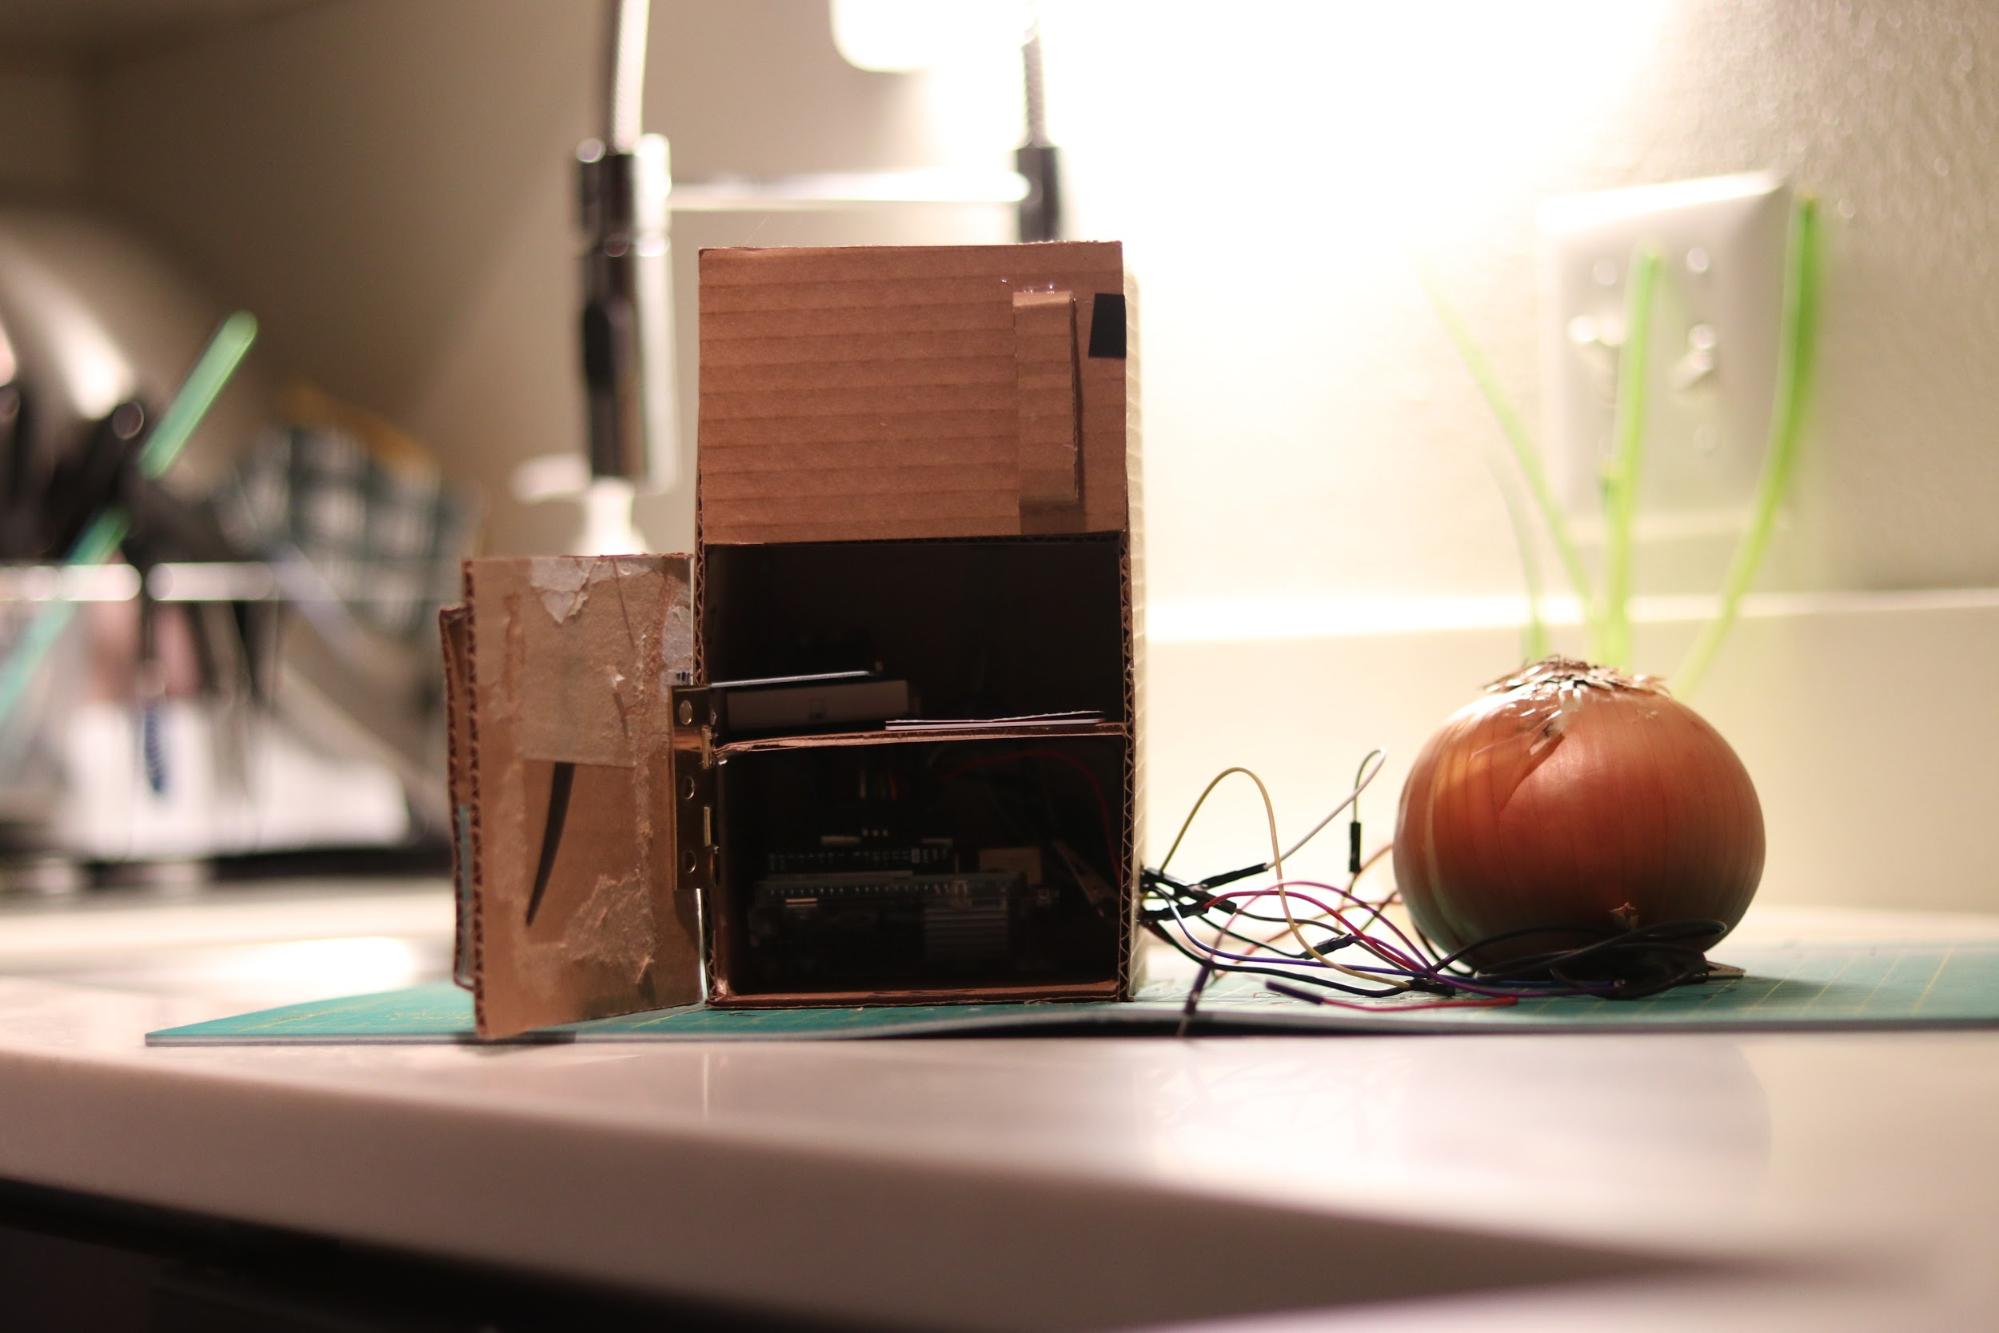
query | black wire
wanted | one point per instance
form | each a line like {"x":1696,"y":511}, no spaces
{"x":1335,"y":940}
{"x":1665,"y":936}
{"x":1231,"y":876}
{"x":1303,"y":958}
{"x":1623,"y":965}
{"x":1629,"y":988}
{"x":1194,"y":895}
{"x":1327,"y":945}
{"x":1204,"y":903}
{"x":1627,"y":964}
{"x":1445,"y":968}
{"x":1211,"y":903}
{"x":1251,"y":969}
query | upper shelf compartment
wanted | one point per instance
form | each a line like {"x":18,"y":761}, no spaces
{"x":980,"y":628}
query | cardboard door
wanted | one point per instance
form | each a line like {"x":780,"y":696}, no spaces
{"x":559,"y":671}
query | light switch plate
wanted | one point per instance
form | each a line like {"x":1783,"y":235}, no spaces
{"x":1716,"y":320}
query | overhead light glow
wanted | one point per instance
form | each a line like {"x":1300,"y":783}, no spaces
{"x":900,"y":36}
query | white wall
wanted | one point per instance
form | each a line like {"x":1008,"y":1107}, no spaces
{"x":1316,"y":475}
{"x":1275,"y":167}
{"x":384,"y":181}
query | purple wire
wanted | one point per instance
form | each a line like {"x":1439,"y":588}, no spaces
{"x":1359,"y":904}
{"x":1473,"y":987}
{"x":1282,"y":889}
{"x":1527,"y":985}
{"x":1268,"y":959}
{"x":1531,"y":989}
{"x":1431,"y":973}
{"x":1332,"y":912}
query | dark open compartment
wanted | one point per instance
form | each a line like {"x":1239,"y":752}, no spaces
{"x":990,"y":627}
{"x":865,"y":868}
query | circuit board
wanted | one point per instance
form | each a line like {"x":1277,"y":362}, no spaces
{"x":1786,"y":987}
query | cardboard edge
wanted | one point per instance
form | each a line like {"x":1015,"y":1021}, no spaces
{"x":1132,"y":965}
{"x":919,"y":736}
{"x":475,"y":931}
{"x":452,"y":629}
{"x":1059,"y":992}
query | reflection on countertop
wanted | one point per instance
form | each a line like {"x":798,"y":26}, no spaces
{"x":237,"y":945}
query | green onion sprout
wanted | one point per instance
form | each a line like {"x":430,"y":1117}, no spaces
{"x":1525,"y":455}
{"x":1620,"y":478}
{"x":1796,"y":355}
{"x":1608,"y":620}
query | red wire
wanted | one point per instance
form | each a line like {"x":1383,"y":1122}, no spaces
{"x":1386,"y":953}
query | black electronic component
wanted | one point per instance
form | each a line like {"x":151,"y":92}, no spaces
{"x":854,"y":853}
{"x":806,"y":703}
{"x":823,"y":928}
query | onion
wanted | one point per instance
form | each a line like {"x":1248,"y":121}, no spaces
{"x":1572,"y":797}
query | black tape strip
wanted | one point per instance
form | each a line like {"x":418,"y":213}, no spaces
{"x":551,"y":834}
{"x":1107,"y":325}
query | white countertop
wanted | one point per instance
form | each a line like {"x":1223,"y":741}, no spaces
{"x":1782,"y":1180}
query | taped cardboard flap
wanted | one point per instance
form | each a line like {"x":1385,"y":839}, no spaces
{"x":884,"y":392}
{"x":561,"y":671}
{"x":1048,"y":399}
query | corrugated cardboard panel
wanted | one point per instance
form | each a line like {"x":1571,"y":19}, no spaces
{"x":902,"y":392}
{"x":563,"y":715}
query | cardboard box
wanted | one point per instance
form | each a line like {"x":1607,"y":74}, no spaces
{"x":914,"y":463}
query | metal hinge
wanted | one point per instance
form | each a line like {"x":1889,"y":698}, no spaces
{"x":697,"y":840}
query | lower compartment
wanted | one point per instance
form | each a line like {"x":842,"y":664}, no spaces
{"x":951,"y":869}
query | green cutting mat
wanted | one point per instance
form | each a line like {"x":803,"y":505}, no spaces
{"x":1792,"y":987}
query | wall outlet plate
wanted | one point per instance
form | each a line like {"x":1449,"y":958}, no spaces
{"x":1716,"y":321}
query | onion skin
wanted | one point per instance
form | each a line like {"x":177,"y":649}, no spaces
{"x":1571,"y":796}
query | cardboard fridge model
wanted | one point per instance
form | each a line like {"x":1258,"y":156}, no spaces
{"x":876,"y":742}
